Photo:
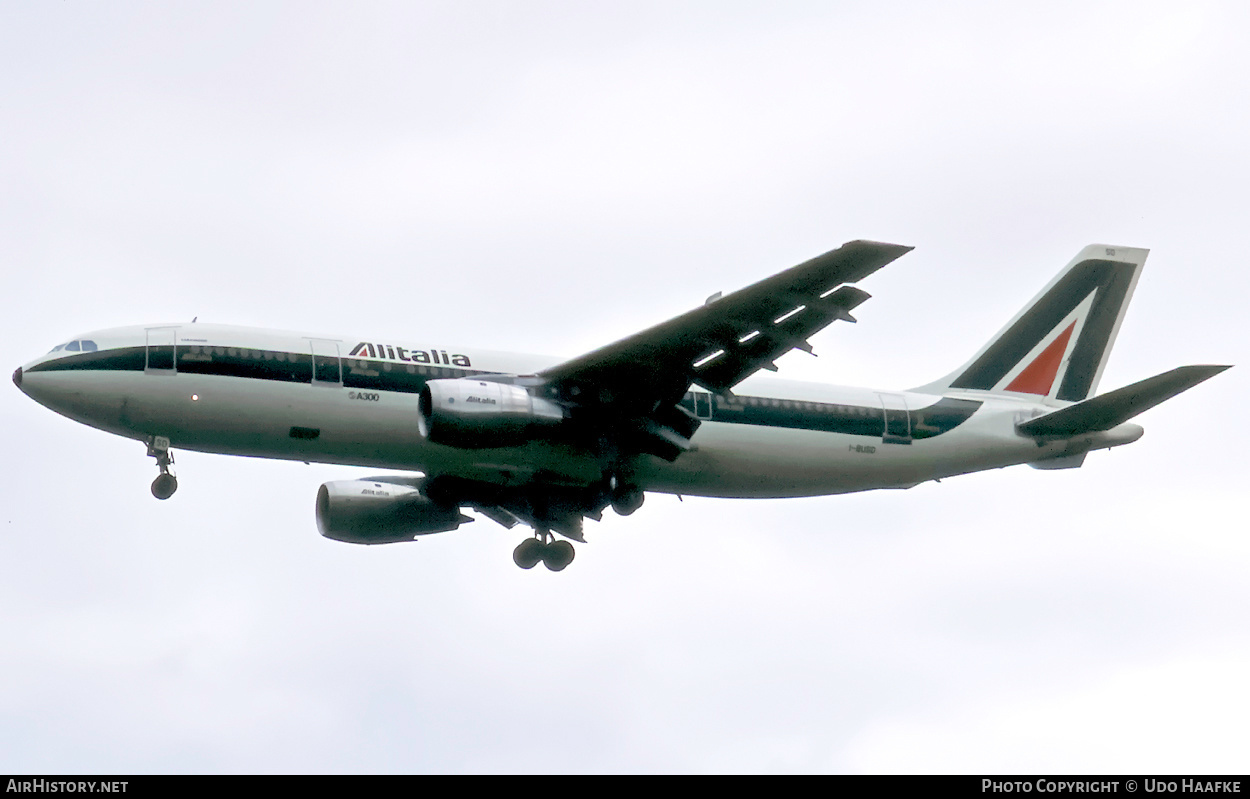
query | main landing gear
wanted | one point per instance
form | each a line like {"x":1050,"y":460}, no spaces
{"x":551,"y":509}
{"x":555,"y":555}
{"x":564,"y":514}
{"x":165,"y":484}
{"x":626,"y":499}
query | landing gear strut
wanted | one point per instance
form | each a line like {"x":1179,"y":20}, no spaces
{"x":165,"y":484}
{"x":555,"y":555}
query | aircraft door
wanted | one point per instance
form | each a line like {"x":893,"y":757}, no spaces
{"x":702,"y":405}
{"x":160,"y":350}
{"x":897,"y":420}
{"x":327,"y":368}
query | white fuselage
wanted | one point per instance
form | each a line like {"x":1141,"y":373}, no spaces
{"x":772,"y":440}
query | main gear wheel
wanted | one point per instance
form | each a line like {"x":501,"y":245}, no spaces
{"x":528,"y":553}
{"x":555,"y":555}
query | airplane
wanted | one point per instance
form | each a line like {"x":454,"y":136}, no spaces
{"x":677,"y":408}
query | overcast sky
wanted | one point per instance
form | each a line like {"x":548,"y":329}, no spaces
{"x":548,"y":177}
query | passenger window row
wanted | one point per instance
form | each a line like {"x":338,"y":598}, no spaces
{"x":738,"y":403}
{"x":299,"y":368}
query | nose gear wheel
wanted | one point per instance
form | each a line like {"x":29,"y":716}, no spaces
{"x":165,"y":484}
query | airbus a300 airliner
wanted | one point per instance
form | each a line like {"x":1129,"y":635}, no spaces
{"x":523,"y":440}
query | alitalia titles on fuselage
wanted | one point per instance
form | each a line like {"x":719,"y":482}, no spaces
{"x":391,"y":352}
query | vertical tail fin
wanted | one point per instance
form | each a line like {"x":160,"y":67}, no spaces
{"x":1057,"y":346}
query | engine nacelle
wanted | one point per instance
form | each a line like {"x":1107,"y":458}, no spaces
{"x":476,"y":414}
{"x":367,"y":512}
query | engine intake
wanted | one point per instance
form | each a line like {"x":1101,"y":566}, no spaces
{"x":368,"y":512}
{"x":476,"y":414}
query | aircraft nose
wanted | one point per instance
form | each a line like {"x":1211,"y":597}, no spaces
{"x":17,"y":377}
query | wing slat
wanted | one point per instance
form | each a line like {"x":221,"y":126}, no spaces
{"x":741,"y":359}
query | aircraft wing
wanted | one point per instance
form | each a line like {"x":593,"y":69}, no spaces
{"x":631,"y":389}
{"x":728,"y":338}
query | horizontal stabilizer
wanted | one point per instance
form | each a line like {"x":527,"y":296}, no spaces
{"x":1116,"y":407}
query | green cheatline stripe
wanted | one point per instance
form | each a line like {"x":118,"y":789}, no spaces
{"x":291,"y":367}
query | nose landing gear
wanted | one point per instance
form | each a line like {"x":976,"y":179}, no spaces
{"x":165,"y":484}
{"x":555,"y":555}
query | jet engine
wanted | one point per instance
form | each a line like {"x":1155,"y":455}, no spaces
{"x":475,"y":414}
{"x":369,"y":512}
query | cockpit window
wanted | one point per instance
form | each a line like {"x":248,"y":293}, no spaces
{"x":85,"y":345}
